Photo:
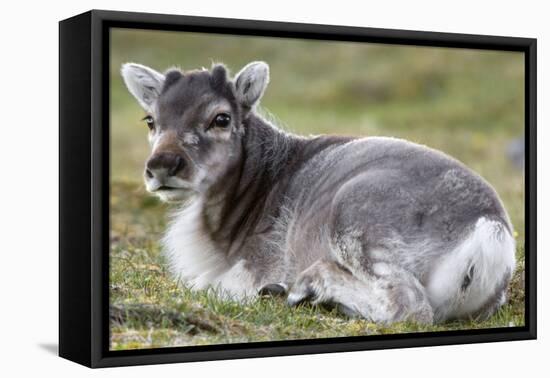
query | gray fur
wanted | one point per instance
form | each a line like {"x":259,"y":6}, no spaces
{"x":363,"y":224}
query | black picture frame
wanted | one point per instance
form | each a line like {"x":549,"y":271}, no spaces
{"x":84,"y":187}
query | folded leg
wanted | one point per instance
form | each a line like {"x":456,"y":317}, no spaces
{"x":385,"y":294}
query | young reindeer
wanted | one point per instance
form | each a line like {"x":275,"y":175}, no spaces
{"x":379,"y":227}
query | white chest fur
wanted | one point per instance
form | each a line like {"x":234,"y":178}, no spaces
{"x":197,"y":262}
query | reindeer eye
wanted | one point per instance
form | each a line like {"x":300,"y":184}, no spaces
{"x":222,"y":120}
{"x":150,"y":122}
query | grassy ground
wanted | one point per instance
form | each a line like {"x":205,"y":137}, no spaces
{"x":467,"y":103}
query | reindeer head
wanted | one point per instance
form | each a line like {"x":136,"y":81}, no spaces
{"x":195,"y":122}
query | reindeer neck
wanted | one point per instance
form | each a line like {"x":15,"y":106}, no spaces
{"x":245,"y":199}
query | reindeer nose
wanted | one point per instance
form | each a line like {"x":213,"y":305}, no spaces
{"x":164,"y":165}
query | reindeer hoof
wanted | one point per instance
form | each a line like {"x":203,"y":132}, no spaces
{"x":273,"y":290}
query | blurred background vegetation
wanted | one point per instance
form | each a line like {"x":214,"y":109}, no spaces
{"x":467,"y":103}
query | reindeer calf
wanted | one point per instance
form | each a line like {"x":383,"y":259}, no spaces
{"x":379,"y":227}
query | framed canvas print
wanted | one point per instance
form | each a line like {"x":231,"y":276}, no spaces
{"x":234,"y":188}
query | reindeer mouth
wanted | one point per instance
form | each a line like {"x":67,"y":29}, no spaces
{"x":173,"y":193}
{"x":172,"y":190}
{"x":168,"y":188}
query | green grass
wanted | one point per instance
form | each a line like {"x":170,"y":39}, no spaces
{"x":467,"y":103}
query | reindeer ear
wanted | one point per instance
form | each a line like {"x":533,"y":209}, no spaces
{"x":251,"y":82}
{"x":143,"y":82}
